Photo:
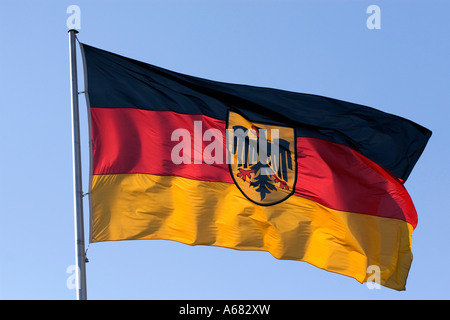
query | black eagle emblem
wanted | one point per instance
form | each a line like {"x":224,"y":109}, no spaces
{"x":265,"y":164}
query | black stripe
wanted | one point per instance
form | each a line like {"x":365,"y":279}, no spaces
{"x":393,"y":142}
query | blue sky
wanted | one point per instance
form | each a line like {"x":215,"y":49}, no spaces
{"x":319,"y":47}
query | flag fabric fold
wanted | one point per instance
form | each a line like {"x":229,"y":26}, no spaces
{"x":201,"y":162}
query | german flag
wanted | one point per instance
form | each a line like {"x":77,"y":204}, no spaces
{"x":201,"y":162}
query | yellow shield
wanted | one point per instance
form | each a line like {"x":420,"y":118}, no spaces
{"x":262,"y":159}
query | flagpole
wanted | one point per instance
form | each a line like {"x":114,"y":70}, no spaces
{"x":80,"y":254}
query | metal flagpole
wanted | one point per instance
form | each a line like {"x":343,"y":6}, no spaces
{"x":80,"y":254}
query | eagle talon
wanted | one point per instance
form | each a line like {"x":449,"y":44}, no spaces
{"x":283,"y":184}
{"x":244,"y":174}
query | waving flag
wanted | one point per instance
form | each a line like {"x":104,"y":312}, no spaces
{"x":301,"y":176}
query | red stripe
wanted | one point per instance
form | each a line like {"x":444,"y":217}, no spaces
{"x":340,"y":178}
{"x":127,"y":140}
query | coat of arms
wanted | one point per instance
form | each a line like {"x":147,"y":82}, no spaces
{"x":262,"y":159}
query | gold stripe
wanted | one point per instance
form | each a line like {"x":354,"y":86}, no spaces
{"x":143,"y":206}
